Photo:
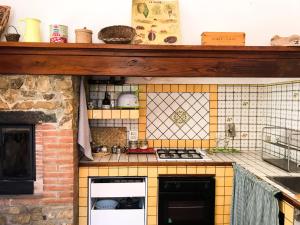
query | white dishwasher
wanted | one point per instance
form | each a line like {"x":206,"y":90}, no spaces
{"x":117,"y":200}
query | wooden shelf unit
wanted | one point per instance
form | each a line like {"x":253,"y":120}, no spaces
{"x":148,"y":60}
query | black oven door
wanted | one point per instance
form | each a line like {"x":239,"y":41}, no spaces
{"x":186,"y":203}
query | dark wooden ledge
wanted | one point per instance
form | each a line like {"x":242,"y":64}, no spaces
{"x":145,"y":60}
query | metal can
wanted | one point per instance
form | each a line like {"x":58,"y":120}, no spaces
{"x":58,"y":33}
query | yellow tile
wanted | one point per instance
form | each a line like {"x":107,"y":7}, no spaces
{"x":213,"y":112}
{"x":228,"y":190}
{"x":90,"y":114}
{"x":219,"y":219}
{"x":142,"y":120}
{"x":158,"y":88}
{"x":181,"y":169}
{"x":189,"y":143}
{"x":173,"y":143}
{"x":152,"y":181}
{"x":228,"y":171}
{"x":83,"y":220}
{"x":220,"y":182}
{"x":213,"y":135}
{"x":152,"y":211}
{"x":201,"y":170}
{"x":213,"y":88}
{"x":227,"y":209}
{"x":205,"y":144}
{"x":171,"y":170}
{"x":123,"y":171}
{"x":157,"y":143}
{"x":227,"y":200}
{"x":228,"y":181}
{"x":182,"y":88}
{"x":152,"y":220}
{"x":142,"y":88}
{"x":124,"y":114}
{"x":287,"y":222}
{"x":212,"y":143}
{"x":213,"y":97}
{"x":226,"y":219}
{"x":83,"y":182}
{"x":166,"y":88}
{"x":152,"y":191}
{"x":134,"y":114}
{"x":113,"y":171}
{"x":162,"y":170}
{"x":213,"y":120}
{"x":150,"y":143}
{"x":142,"y":171}
{"x":103,"y":171}
{"x":197,"y":143}
{"x":142,"y":127}
{"x":106,"y":114}
{"x":83,"y":192}
{"x":83,"y":172}
{"x":219,"y":210}
{"x":142,"y":135}
{"x":116,"y":114}
{"x":150,"y":88}
{"x":181,"y":143}
{"x":97,"y":114}
{"x":289,"y":212}
{"x":220,"y":191}
{"x":152,"y":201}
{"x":174,"y":88}
{"x":142,"y":96}
{"x":83,"y":211}
{"x":152,"y":171}
{"x":211,"y":170}
{"x":213,"y":104}
{"x":191,"y":170}
{"x":213,"y":128}
{"x":142,"y":104}
{"x":219,"y":200}
{"x":142,"y":112}
{"x":165,"y":143}
{"x":132,"y":171}
{"x":220,"y":171}
{"x":198,"y":88}
{"x":93,"y":171}
{"x":205,"y":88}
{"x":189,"y":88}
{"x":83,"y":202}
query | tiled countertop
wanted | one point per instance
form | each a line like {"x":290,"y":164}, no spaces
{"x":250,"y":160}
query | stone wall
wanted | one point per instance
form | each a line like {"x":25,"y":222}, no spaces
{"x":55,"y":199}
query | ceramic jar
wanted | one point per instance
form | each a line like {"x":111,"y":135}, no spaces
{"x":83,"y":35}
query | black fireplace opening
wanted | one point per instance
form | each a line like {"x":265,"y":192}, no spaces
{"x":17,"y":159}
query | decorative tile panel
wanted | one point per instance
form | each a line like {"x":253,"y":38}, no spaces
{"x":177,"y":116}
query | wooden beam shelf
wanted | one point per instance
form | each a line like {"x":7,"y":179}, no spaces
{"x":148,"y":61}
{"x":108,"y":114}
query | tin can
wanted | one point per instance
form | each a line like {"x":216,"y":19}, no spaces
{"x":58,"y":33}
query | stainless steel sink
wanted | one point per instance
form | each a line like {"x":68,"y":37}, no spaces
{"x":288,"y":182}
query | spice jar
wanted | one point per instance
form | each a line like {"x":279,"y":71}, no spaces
{"x":143,"y":144}
{"x":133,"y":144}
{"x":83,"y":35}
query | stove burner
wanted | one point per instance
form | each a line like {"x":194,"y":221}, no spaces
{"x":179,"y":154}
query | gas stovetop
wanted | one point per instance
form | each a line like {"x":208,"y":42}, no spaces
{"x":181,"y":155}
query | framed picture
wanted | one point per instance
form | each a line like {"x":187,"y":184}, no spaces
{"x":156,"y":22}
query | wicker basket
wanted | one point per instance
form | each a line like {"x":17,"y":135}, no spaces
{"x":4,"y":16}
{"x":12,"y":37}
{"x":117,"y":34}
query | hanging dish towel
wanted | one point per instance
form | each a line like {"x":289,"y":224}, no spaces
{"x":84,"y":132}
{"x":253,"y":200}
